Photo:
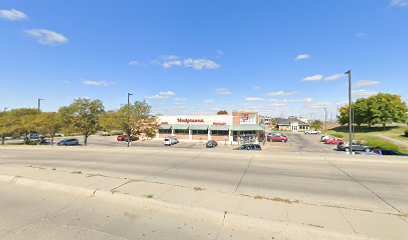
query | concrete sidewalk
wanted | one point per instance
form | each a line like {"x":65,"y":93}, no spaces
{"x":327,"y":222}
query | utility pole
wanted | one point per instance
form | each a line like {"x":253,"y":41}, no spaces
{"x":350,"y":113}
{"x":4,"y":109}
{"x":39,"y":103}
{"x":128,"y":113}
{"x":325,"y":119}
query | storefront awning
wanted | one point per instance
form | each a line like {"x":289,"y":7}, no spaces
{"x":198,"y":127}
{"x":247,"y":127}
{"x":180,"y":126}
{"x":219,"y":127}
{"x":165,"y":126}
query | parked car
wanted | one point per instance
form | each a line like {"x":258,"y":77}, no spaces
{"x":313,"y":132}
{"x":333,"y":141}
{"x":345,"y":146}
{"x":275,"y":134}
{"x":211,"y":144}
{"x":384,"y":152}
{"x":124,"y":137}
{"x":170,"y":141}
{"x":249,"y":147}
{"x":277,"y":138}
{"x":68,"y":142}
{"x":326,"y":137}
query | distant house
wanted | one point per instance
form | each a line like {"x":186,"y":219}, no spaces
{"x":293,"y":124}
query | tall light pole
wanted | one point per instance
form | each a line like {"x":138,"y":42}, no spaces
{"x":350,"y":113}
{"x":4,"y":109}
{"x":128,"y":115}
{"x":39,"y":103}
{"x":325,"y":118}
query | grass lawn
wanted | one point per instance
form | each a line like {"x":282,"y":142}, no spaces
{"x":369,"y":136}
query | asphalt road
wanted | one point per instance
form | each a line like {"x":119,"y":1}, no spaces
{"x":361,"y":182}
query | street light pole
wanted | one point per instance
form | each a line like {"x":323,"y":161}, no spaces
{"x":128,"y":115}
{"x":350,"y":113}
{"x":325,"y":119}
{"x":4,"y":109}
{"x":39,"y":103}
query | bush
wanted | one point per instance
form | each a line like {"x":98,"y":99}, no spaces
{"x":406,"y":132}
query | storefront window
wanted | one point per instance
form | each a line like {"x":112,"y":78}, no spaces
{"x":165,"y":131}
{"x":219,"y":133}
{"x":199,"y":132}
{"x":181,"y":131}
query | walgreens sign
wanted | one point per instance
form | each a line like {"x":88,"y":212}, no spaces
{"x":186,"y":120}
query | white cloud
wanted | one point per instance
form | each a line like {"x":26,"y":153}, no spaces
{"x":98,"y":83}
{"x":180,"y":99}
{"x":167,"y":94}
{"x":209,"y":101}
{"x":200,"y":63}
{"x":282,"y":93}
{"x":170,"y":61}
{"x":302,"y":57}
{"x":366,"y":83}
{"x":169,"y":57}
{"x":307,"y":100}
{"x":155,"y":97}
{"x":220,"y":53}
{"x":317,"y":77}
{"x":222,"y":91}
{"x":399,"y":3}
{"x":257,"y":87}
{"x":253,"y":99}
{"x":333,"y":77}
{"x":360,"y":34}
{"x":363,"y":93}
{"x":47,"y":37}
{"x":161,"y":95}
{"x":169,"y":64}
{"x":279,"y":104}
{"x":12,"y":15}
{"x":135,"y":63}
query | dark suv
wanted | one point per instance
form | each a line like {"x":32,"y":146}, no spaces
{"x":249,"y":147}
{"x":345,"y":146}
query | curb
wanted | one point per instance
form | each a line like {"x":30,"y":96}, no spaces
{"x":225,"y":218}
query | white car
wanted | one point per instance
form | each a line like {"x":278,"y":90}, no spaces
{"x":312,"y":132}
{"x":170,"y":141}
{"x":324,"y":138}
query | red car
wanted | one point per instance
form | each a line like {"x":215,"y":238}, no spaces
{"x":122,"y":138}
{"x":334,"y":141}
{"x":276,"y":138}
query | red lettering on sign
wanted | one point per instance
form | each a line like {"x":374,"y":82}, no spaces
{"x":164,"y":123}
{"x":185,"y":120}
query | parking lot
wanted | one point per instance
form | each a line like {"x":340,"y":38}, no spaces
{"x":298,"y":142}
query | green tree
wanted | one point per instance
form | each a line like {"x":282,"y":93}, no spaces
{"x":343,"y":117}
{"x":387,"y":108}
{"x":316,"y":124}
{"x":83,"y":115}
{"x":134,"y":120}
{"x":17,"y":121}
{"x":48,"y":123}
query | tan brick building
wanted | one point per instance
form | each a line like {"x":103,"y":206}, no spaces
{"x":240,"y":127}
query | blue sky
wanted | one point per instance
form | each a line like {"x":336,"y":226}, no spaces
{"x":196,"y":57}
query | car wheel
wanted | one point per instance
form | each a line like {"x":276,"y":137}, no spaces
{"x":283,"y":141}
{"x":347,"y":149}
{"x":367,"y":150}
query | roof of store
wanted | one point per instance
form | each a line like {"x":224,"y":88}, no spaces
{"x":180,"y":126}
{"x":247,"y":127}
{"x":198,"y":127}
{"x":165,"y":126}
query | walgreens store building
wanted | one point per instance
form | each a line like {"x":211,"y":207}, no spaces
{"x":240,"y":127}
